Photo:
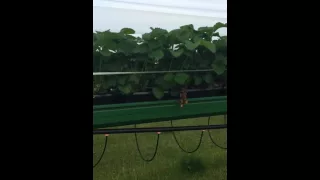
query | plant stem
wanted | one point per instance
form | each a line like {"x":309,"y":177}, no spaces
{"x":171,"y":60}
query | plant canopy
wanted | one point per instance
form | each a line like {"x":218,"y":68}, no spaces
{"x":159,"y":50}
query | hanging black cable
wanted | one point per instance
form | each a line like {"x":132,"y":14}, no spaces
{"x":138,"y":147}
{"x":175,"y":138}
{"x":104,"y":149}
{"x":211,"y":136}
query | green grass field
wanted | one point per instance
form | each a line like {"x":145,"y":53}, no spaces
{"x":122,"y":161}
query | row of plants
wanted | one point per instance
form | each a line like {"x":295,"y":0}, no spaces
{"x":160,"y":50}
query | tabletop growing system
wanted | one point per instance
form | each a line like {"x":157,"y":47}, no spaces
{"x":161,"y":76}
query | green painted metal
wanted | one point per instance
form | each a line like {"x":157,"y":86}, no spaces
{"x":156,"y":111}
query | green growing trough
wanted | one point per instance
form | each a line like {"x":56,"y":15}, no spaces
{"x":156,"y":111}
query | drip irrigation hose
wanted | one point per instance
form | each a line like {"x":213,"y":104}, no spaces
{"x":157,"y":129}
{"x":211,"y":136}
{"x":104,"y":149}
{"x":175,"y":138}
{"x":138,"y":147}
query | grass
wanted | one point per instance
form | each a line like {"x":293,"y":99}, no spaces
{"x":122,"y":161}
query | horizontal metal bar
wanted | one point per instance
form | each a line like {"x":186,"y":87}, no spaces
{"x":147,"y":72}
{"x":158,"y":129}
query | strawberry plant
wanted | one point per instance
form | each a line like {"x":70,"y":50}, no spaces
{"x":159,"y":50}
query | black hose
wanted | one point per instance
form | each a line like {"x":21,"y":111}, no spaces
{"x":211,"y":136}
{"x":138,"y":147}
{"x":157,"y":129}
{"x":104,"y":149}
{"x":198,"y":146}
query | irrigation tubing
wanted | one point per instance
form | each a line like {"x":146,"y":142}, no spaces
{"x":138,"y":147}
{"x":158,"y":129}
{"x":211,"y":136}
{"x":198,"y":146}
{"x":136,"y":130}
{"x":104,"y":149}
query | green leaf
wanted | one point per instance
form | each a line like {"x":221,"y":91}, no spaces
{"x":106,"y":44}
{"x":157,"y":32}
{"x":127,"y":31}
{"x":208,"y":78}
{"x":157,"y":54}
{"x":172,"y":36}
{"x":160,"y":82}
{"x":207,"y":30}
{"x":106,"y":39}
{"x":125,"y":89}
{"x":216,"y":34}
{"x":126,"y":46}
{"x":220,"y":59}
{"x":210,"y":46}
{"x":197,"y":80}
{"x":218,"y":68}
{"x":190,"y":45}
{"x":183,"y":35}
{"x":181,"y":78}
{"x":177,"y":53}
{"x":188,"y":81}
{"x":218,"y":26}
{"x":158,"y":92}
{"x":188,"y":53}
{"x":154,"y":44}
{"x":169,"y":77}
{"x":197,"y":38}
{"x":112,"y":67}
{"x":146,"y":36}
{"x":141,"y":58}
{"x":122,"y":80}
{"x":187,"y":27}
{"x":132,"y":38}
{"x":145,"y":85}
{"x":142,"y":48}
{"x":221,"y":44}
{"x":205,"y":62}
{"x":105,"y":52}
{"x":110,"y":82}
{"x":134,"y":78}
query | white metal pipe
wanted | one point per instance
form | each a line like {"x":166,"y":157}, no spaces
{"x":147,"y":72}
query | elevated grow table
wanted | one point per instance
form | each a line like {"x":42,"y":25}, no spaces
{"x":129,"y":113}
{"x":156,"y":111}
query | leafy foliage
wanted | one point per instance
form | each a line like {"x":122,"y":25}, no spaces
{"x":159,"y":50}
